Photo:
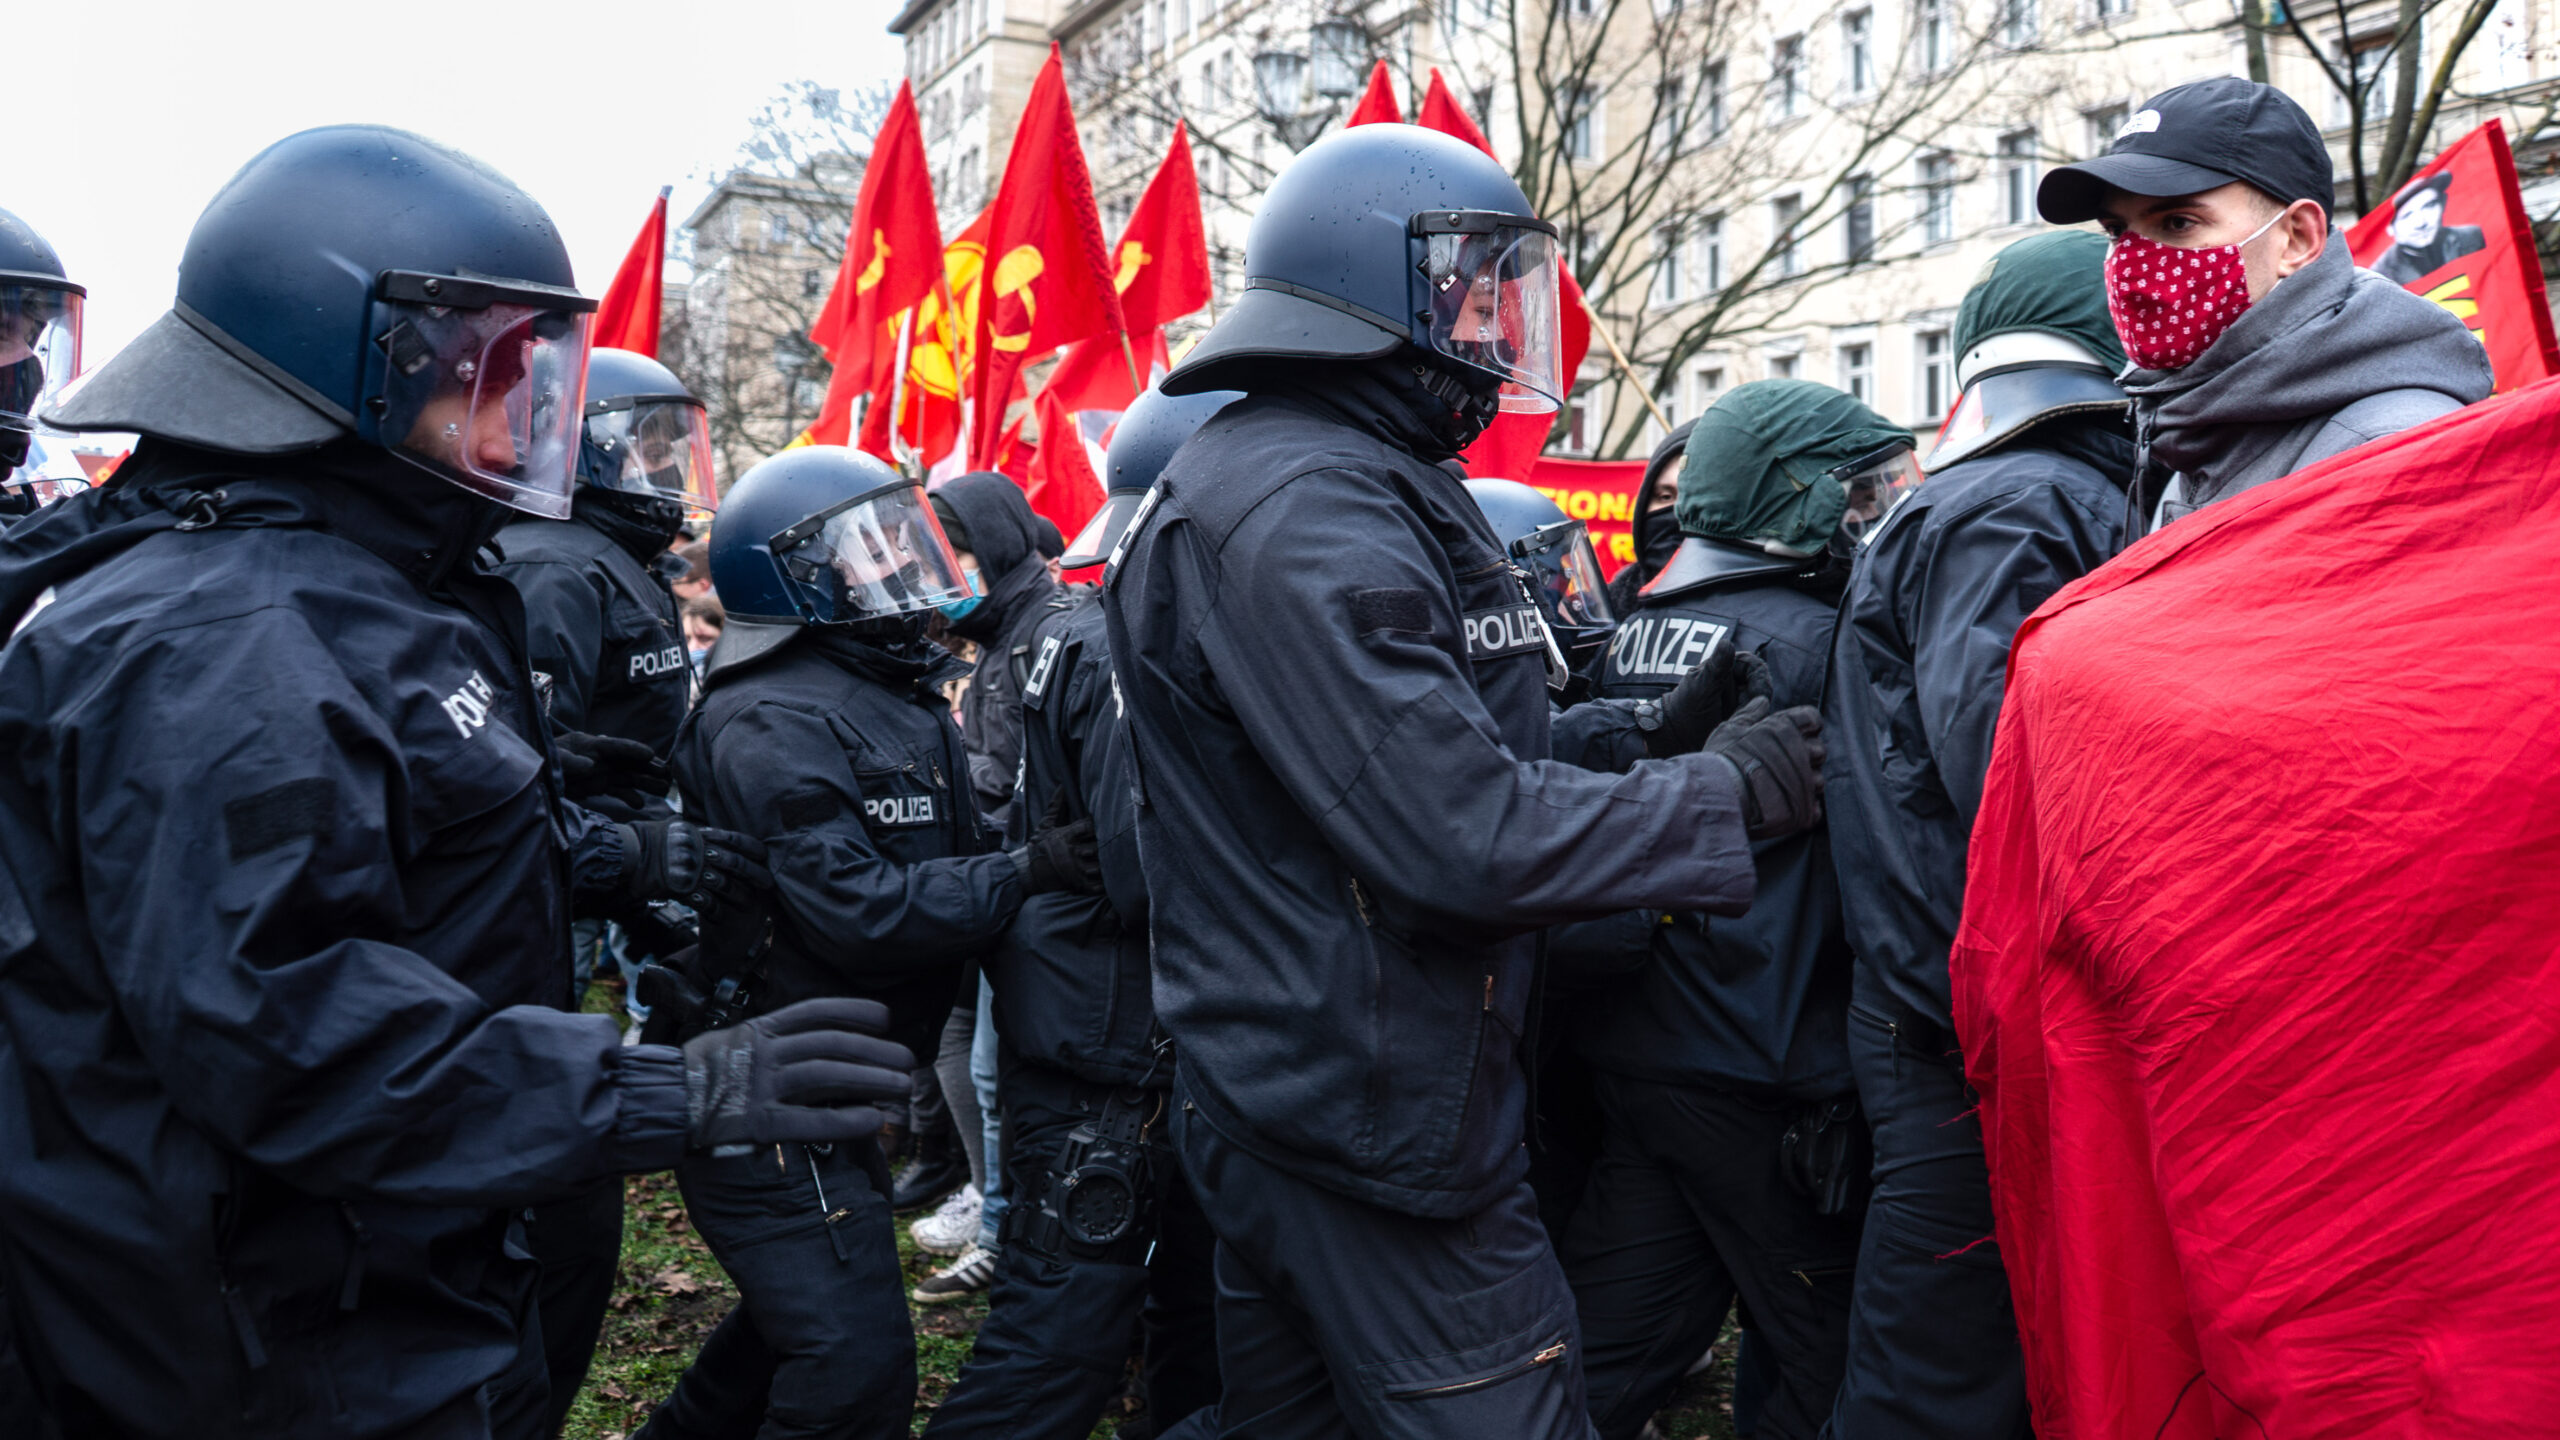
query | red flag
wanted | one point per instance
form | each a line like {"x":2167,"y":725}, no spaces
{"x":1513,"y":442}
{"x":1599,"y":493}
{"x":1161,"y":265}
{"x":1094,"y":374}
{"x":1377,"y":103}
{"x":627,"y":317}
{"x":2257,"y":967}
{"x":2457,"y":234}
{"x":892,"y":257}
{"x":1048,"y":271}
{"x":1062,"y":483}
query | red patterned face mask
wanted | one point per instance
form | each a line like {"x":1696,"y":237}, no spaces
{"x":2169,"y":303}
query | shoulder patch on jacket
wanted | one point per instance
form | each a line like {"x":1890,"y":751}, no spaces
{"x":261,"y":822}
{"x":809,"y":805}
{"x":1391,"y":609}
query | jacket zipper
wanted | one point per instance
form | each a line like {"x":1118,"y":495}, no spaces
{"x":1548,"y":1356}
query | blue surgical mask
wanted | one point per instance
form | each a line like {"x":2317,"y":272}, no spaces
{"x":954,"y":609}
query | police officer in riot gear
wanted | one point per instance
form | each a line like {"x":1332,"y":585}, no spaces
{"x":2026,"y":493}
{"x":1102,"y":1227}
{"x":39,"y":354}
{"x":1347,"y":812}
{"x":1732,"y":1157}
{"x":823,"y":729}
{"x":285,"y":905}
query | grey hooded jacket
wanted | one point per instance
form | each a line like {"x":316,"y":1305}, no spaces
{"x":2329,"y":359}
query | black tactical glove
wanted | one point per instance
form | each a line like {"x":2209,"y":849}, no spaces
{"x":1062,"y":857}
{"x":1705,"y":697}
{"x":1779,"y":757}
{"x":594,"y":767}
{"x":808,"y":1073}
{"x":679,"y":860}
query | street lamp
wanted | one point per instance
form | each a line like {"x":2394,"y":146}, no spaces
{"x":1299,"y":93}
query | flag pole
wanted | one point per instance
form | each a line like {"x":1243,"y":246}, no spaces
{"x":898,"y":390}
{"x":1136,"y":385}
{"x":1620,"y":356}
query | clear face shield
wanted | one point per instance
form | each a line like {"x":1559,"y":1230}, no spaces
{"x":876,"y":555}
{"x":1567,"y":569}
{"x":654,"y":445}
{"x":1876,"y":483}
{"x":485,"y":394}
{"x":39,"y":347}
{"x":1489,"y":283}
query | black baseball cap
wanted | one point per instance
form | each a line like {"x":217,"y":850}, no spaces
{"x":2197,"y":137}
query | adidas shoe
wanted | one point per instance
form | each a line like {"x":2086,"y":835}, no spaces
{"x":969,"y":1275}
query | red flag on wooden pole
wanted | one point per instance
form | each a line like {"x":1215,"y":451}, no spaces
{"x":2458,"y":234}
{"x":1048,"y":277}
{"x":627,"y":316}
{"x":892,"y":260}
{"x":1377,"y":103}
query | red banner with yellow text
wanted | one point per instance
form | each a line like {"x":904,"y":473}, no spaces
{"x":2457,"y":234}
{"x":1599,"y":493}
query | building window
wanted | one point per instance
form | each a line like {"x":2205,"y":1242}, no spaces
{"x":1577,"y":417}
{"x":1858,"y":221}
{"x":1713,"y":112}
{"x":813,"y":283}
{"x":2018,"y":23}
{"x":1669,"y":116}
{"x":1786,"y":79}
{"x":1858,"y":372}
{"x":1784,"y":213}
{"x":1857,"y":52}
{"x":1666,"y":265}
{"x":1783,"y":367}
{"x":2103,"y":123}
{"x":1482,"y":114}
{"x":1581,"y":122}
{"x":1711,"y":252}
{"x":777,"y":228}
{"x":2110,"y":11}
{"x":1707,"y":384}
{"x":1936,"y":30}
{"x":2018,"y":177}
{"x":1937,"y":199}
{"x":1936,"y":377}
{"x":1666,"y":398}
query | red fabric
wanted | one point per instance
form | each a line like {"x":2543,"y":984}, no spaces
{"x":1161,"y":265}
{"x":1049,"y":273}
{"x":627,"y":317}
{"x":892,"y":254}
{"x":1061,"y":482}
{"x":1599,"y":493}
{"x":1377,"y":103}
{"x":2496,"y":290}
{"x":1512,"y":443}
{"x":1094,"y":374}
{"x":937,"y":359}
{"x":2260,"y":956}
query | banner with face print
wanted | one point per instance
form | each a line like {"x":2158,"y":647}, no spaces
{"x":2456,"y":233}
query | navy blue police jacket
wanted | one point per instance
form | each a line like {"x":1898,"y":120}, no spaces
{"x":1923,"y":654}
{"x":842,"y":757}
{"x":1348,"y":813}
{"x":282,"y":919}
{"x":603,"y":626}
{"x":1070,"y":974}
{"x":1756,"y":1002}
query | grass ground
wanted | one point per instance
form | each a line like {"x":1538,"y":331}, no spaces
{"x":671,"y":1292}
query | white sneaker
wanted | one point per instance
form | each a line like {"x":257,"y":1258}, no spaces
{"x":972,"y":1273}
{"x":952,"y":1228}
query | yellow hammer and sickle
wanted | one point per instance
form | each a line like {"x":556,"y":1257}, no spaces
{"x":1014,"y":274}
{"x":878,"y":267}
{"x":1133,"y":258}
{"x":2445,"y":294}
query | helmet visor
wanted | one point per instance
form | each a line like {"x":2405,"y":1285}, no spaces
{"x":659,"y":447}
{"x":874,"y":556}
{"x":1491,"y":287}
{"x":488,"y":398}
{"x":39,"y":348}
{"x":1559,"y":554}
{"x":1876,"y":484}
{"x":1093,"y":543}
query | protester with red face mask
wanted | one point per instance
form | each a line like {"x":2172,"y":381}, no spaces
{"x":2258,"y":348}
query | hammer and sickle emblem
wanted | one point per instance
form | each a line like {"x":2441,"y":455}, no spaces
{"x":1133,"y":258}
{"x":1014,"y":274}
{"x":2450,"y":295}
{"x":878,"y":267}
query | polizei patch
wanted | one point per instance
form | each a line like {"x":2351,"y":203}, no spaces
{"x":1504,"y":630}
{"x":1664,"y":645}
{"x":898,"y":810}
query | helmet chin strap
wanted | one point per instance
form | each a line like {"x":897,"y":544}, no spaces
{"x":1475,"y":407}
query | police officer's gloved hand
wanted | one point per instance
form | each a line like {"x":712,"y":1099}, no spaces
{"x":1706,"y":697}
{"x":1779,"y":756}
{"x":1062,"y":857}
{"x":594,"y":766}
{"x":679,"y":860}
{"x":813,"y":1073}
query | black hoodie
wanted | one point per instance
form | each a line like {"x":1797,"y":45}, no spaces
{"x":1005,"y":537}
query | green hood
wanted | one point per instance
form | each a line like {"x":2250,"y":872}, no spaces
{"x":2055,"y":283}
{"x":1759,"y":463}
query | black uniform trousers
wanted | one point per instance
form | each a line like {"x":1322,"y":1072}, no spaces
{"x":820,"y":1343}
{"x":579,"y":1242}
{"x":1933,"y":1340}
{"x":1687,"y":1208}
{"x":1063,"y":1317}
{"x":1337,"y":1317}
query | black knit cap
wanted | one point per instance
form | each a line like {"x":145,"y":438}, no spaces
{"x":2195,"y":138}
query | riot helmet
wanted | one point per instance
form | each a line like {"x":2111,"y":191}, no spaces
{"x":1784,"y":477}
{"x":825,"y":535}
{"x":1383,"y":238}
{"x":646,"y":451}
{"x":1150,"y":430}
{"x":2033,"y":341}
{"x":360,"y":280}
{"x":39,"y":355}
{"x":1554,"y":550}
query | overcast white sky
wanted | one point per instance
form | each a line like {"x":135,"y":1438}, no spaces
{"x":590,"y":106}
